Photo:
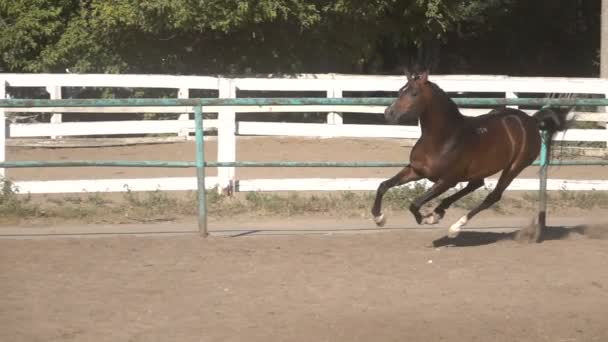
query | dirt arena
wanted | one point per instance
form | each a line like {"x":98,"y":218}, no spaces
{"x":381,"y":286}
{"x":303,"y":278}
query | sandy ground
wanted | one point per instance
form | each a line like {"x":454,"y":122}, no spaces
{"x":300,"y":278}
{"x":389,"y":285}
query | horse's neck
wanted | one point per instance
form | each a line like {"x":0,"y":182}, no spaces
{"x":441,"y":121}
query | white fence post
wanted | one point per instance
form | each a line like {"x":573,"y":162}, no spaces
{"x":606,"y":124}
{"x":55,"y":94}
{"x":226,"y":135}
{"x":334,"y":118}
{"x":511,"y":95}
{"x":3,"y":128}
{"x":605,"y":109}
{"x":183,"y":93}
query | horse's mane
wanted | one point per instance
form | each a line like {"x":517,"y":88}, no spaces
{"x":439,"y":93}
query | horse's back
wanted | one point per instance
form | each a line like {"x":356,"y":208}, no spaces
{"x":507,"y":122}
{"x":501,"y":113}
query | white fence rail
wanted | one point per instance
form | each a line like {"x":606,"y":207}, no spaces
{"x":330,"y":85}
{"x":283,"y":184}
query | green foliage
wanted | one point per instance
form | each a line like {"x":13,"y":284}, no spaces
{"x":288,"y":36}
{"x":28,"y":28}
{"x":218,"y":36}
{"x":13,"y":204}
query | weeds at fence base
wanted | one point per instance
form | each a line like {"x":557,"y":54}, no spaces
{"x":155,"y":206}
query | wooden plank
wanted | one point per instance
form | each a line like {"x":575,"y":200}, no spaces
{"x":598,"y":135}
{"x":577,"y":116}
{"x":111,"y":185}
{"x":111,"y":81}
{"x":371,"y":184}
{"x":450,"y":83}
{"x":378,"y":131}
{"x":119,"y":110}
{"x":319,"y":82}
{"x":105,"y":128}
{"x":293,"y":184}
{"x":94,"y":142}
{"x":325,"y":130}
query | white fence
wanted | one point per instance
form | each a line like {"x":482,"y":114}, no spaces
{"x":331,"y":85}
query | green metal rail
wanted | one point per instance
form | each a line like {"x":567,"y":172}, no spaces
{"x":200,"y":162}
{"x":188,"y":164}
{"x":301,"y":101}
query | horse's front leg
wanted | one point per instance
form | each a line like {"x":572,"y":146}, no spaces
{"x":404,"y":176}
{"x":437,"y":189}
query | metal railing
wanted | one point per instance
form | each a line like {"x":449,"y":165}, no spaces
{"x":200,"y":164}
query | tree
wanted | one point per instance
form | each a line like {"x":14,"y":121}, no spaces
{"x":27,"y":28}
{"x":288,"y":36}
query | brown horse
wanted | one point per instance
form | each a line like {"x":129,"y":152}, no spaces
{"x":454,"y":148}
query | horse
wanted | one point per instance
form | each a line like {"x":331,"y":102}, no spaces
{"x":454,"y":148}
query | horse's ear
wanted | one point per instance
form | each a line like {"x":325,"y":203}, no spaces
{"x":424,"y":76}
{"x":408,"y":75}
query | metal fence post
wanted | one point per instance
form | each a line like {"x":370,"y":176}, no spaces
{"x":544,"y":165}
{"x":200,"y":170}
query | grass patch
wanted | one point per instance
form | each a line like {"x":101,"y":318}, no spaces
{"x":564,"y":199}
{"x":129,"y":207}
{"x":14,"y":205}
{"x":580,"y":199}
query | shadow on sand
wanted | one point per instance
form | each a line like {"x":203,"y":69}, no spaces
{"x":473,"y":238}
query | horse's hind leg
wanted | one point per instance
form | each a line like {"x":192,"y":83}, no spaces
{"x":439,"y":211}
{"x":404,"y":176}
{"x":505,"y":179}
{"x":437,"y":189}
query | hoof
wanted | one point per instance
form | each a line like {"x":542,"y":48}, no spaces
{"x":452,"y":234}
{"x":380,"y":220}
{"x":455,"y":228}
{"x":432,"y":218}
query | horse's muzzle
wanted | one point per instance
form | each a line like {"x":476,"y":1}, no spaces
{"x":389,"y":114}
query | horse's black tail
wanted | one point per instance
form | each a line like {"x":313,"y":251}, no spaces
{"x":552,"y":120}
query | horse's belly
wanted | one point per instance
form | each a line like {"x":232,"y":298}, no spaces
{"x":487,"y":162}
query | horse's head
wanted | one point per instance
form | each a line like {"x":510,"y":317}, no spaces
{"x":412,"y":99}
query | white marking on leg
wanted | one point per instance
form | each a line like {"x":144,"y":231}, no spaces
{"x":455,"y":228}
{"x":380,"y":220}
